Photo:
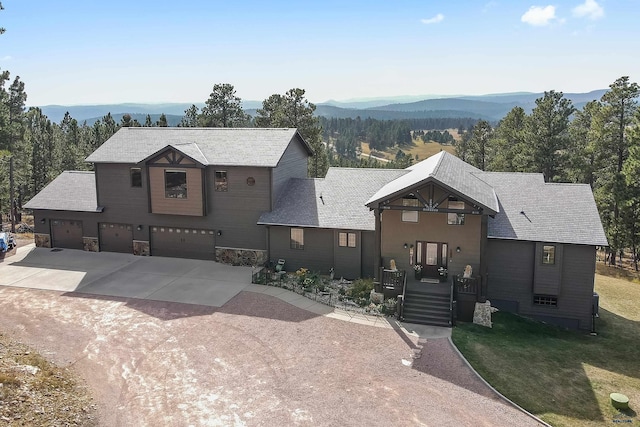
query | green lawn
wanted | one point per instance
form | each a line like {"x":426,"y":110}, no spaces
{"x":561,"y":376}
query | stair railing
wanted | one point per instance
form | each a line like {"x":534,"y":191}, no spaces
{"x":452,"y":306}
{"x":401,"y":299}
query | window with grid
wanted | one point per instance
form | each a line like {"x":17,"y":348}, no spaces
{"x":297,"y":238}
{"x":410,"y":216}
{"x":222,"y":184}
{"x":546,"y":300}
{"x":347,"y":240}
{"x":454,"y":218}
{"x":548,"y":254}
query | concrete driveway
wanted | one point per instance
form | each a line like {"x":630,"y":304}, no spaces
{"x":123,"y":275}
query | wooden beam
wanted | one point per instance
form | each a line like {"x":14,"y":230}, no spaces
{"x":428,"y":209}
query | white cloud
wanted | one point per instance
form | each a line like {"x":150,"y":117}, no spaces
{"x":6,"y":58}
{"x":589,"y":9}
{"x":436,"y":19}
{"x":539,"y":16}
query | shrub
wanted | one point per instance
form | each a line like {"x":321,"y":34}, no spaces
{"x":361,"y":288}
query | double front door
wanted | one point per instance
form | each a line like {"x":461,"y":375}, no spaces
{"x":432,"y":256}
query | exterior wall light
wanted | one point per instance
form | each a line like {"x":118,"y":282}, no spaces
{"x":406,"y":246}
{"x":139,"y":227}
{"x":458,"y":249}
{"x":219,"y":233}
{"x":43,"y":220}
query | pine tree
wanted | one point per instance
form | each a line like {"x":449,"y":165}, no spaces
{"x":293,"y":110}
{"x":223,"y":108}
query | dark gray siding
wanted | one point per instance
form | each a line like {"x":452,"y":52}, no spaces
{"x":317,"y":254}
{"x":346,"y":260}
{"x":293,"y":164}
{"x":368,"y":253}
{"x":89,"y":221}
{"x":578,"y":274}
{"x":548,"y":277}
{"x":235,"y":212}
{"x":115,"y":193}
{"x":511,"y":269}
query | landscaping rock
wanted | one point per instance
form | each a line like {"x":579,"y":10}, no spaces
{"x":376,"y":298}
{"x":482,"y":314}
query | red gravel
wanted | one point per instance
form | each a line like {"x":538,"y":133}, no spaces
{"x":255,"y":361}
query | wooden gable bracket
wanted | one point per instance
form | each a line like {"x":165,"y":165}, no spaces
{"x":172,"y":157}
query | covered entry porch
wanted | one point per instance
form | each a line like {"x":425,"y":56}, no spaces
{"x":432,"y":302}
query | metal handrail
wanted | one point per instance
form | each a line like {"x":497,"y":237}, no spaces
{"x":401,"y":306}
{"x":453,"y":319}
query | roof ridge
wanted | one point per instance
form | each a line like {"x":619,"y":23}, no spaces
{"x":437,"y":167}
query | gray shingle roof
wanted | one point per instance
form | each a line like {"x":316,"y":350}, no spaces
{"x":344,"y":192}
{"x":533,"y":210}
{"x":209,"y":146}
{"x":70,"y":191}
{"x":446,"y":170}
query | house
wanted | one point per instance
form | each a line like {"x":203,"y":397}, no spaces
{"x":186,"y":192}
{"x":242,"y":196}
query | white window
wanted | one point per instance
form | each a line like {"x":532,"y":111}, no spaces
{"x":455,"y":218}
{"x":297,"y":238}
{"x":548,"y":254}
{"x":410,"y":216}
{"x":346,"y":240}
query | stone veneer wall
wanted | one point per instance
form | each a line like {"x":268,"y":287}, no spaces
{"x":42,"y":240}
{"x":248,"y":257}
{"x":90,"y":244}
{"x":141,"y":247}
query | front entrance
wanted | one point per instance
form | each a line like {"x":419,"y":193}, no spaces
{"x":433,"y":256}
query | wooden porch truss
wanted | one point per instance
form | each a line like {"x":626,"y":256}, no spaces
{"x":429,"y":205}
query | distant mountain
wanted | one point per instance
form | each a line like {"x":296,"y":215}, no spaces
{"x":85,"y":112}
{"x":492,"y":107}
{"x":489,"y":107}
{"x":172,"y":119}
{"x":363,"y":103}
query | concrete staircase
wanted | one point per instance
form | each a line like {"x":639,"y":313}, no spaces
{"x":427,"y":307}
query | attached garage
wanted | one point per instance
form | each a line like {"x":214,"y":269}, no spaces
{"x":116,"y":237}
{"x":192,"y":243}
{"x":66,"y":234}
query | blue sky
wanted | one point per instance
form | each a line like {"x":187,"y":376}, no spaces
{"x":86,"y":52}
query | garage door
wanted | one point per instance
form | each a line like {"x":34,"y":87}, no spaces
{"x":116,"y":237}
{"x":192,"y":243}
{"x":66,"y":234}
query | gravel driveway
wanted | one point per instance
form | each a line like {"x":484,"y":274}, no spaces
{"x":255,"y":361}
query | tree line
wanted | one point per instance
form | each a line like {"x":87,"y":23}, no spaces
{"x":598,"y":145}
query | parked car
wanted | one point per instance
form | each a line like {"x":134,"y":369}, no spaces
{"x":7,"y":241}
